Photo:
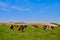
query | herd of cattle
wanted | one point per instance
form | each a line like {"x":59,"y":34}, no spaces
{"x":23,"y":26}
{"x":20,"y":28}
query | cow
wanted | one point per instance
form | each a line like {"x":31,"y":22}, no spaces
{"x":11,"y":27}
{"x":21,"y":28}
{"x":45,"y":27}
{"x":35,"y":26}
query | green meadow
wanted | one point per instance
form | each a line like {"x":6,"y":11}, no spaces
{"x":29,"y":33}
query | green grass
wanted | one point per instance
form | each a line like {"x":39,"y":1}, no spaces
{"x":29,"y":34}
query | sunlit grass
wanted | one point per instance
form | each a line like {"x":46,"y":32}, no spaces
{"x":29,"y":33}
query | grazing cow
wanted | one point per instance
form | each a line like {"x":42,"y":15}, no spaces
{"x":21,"y":28}
{"x":35,"y":26}
{"x":11,"y":27}
{"x":44,"y":27}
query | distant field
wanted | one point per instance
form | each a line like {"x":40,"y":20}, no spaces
{"x":29,"y":33}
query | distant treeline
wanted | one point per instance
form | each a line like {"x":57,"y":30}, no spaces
{"x":20,"y":23}
{"x":56,"y":24}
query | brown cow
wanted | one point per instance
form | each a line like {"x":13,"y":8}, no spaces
{"x":35,"y":26}
{"x":45,"y":27}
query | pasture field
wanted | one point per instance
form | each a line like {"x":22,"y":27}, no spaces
{"x":29,"y":33}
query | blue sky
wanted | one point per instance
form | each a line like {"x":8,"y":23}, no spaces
{"x":30,"y":11}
